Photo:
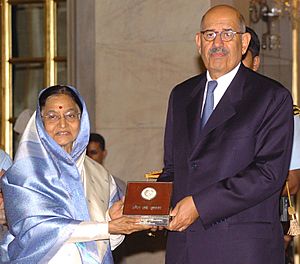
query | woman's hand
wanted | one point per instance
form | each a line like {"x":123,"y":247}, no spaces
{"x":126,"y":225}
{"x":116,"y":210}
{"x":2,"y":212}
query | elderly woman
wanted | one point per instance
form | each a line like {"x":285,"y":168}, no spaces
{"x":56,"y":198}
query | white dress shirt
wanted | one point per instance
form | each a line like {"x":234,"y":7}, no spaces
{"x":223,"y":83}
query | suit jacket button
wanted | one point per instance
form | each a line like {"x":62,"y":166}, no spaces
{"x":194,"y":165}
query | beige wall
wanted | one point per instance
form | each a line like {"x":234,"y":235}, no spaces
{"x":81,"y":51}
{"x":143,"y":49}
{"x":276,"y":63}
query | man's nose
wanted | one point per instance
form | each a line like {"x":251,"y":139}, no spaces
{"x":218,"y":40}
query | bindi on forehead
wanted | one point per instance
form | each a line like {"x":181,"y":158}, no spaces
{"x":60,"y":103}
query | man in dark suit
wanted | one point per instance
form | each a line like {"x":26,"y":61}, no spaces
{"x":228,"y":168}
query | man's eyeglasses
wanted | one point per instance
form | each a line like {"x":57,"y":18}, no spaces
{"x":226,"y":35}
{"x":53,"y":117}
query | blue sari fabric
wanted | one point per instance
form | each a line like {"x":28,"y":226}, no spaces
{"x":43,"y":194}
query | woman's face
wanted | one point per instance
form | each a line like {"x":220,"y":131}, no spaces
{"x":61,"y":116}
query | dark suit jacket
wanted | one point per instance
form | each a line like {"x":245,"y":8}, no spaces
{"x":234,"y":169}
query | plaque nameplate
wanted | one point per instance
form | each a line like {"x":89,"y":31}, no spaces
{"x":150,"y":201}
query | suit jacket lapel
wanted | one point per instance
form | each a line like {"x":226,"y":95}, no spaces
{"x":225,"y":109}
{"x":193,"y":112}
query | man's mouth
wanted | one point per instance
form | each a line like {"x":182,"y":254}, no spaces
{"x":218,"y":54}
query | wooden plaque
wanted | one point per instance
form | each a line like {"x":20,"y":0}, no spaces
{"x":149,"y":200}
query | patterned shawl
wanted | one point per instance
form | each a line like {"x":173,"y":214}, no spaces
{"x":44,"y":196}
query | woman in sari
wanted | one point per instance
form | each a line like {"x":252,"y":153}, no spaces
{"x":56,"y":198}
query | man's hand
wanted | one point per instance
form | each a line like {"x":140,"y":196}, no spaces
{"x":293,"y":180}
{"x":126,"y":225}
{"x":116,"y":210}
{"x":184,"y":214}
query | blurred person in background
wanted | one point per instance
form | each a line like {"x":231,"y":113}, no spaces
{"x":97,"y":151}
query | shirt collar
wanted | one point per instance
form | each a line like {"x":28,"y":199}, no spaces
{"x":223,"y":83}
{"x":226,"y":78}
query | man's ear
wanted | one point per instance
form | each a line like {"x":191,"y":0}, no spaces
{"x":198,"y":41}
{"x":246,"y":37}
{"x":256,"y":63}
{"x":104,"y":154}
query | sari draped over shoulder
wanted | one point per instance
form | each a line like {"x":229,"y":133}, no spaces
{"x":44,"y":196}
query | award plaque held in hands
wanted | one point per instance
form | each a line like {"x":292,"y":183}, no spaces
{"x":150,"y":201}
